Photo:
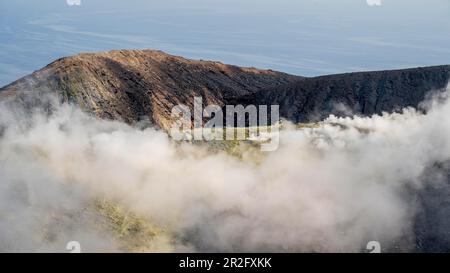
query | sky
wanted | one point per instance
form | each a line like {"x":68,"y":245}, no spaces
{"x":302,"y":37}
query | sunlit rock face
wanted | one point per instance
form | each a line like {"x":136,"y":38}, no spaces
{"x":137,"y":84}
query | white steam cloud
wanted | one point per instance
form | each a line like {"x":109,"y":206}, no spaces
{"x":330,"y":188}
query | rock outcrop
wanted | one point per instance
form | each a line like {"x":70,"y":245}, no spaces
{"x":136,"y":84}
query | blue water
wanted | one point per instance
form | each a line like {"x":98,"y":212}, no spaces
{"x":304,"y":37}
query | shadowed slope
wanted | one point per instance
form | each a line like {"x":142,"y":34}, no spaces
{"x":363,"y":93}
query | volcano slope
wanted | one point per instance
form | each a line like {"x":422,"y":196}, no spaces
{"x":137,"y":85}
{"x":131,"y":85}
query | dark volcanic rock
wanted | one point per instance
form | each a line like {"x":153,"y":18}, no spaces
{"x":364,"y":93}
{"x":432,"y":225}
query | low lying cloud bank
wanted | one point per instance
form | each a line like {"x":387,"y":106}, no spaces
{"x":331,"y":188}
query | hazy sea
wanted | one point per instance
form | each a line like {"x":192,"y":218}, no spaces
{"x":304,"y":37}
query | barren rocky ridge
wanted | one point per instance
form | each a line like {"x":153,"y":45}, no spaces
{"x":131,"y":85}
